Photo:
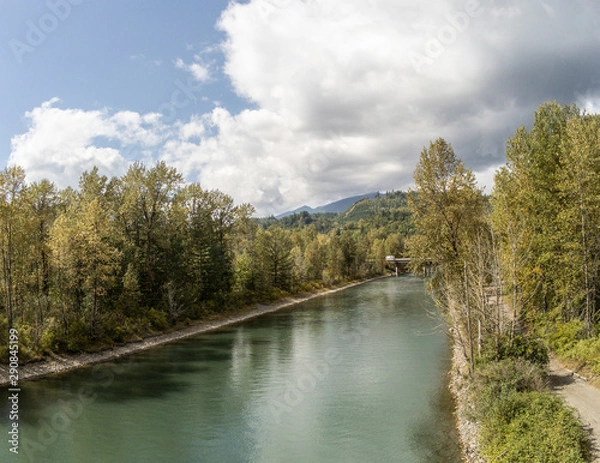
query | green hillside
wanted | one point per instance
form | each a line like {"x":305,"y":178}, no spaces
{"x":389,"y":211}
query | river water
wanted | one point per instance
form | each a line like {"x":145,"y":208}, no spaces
{"x":355,"y":376}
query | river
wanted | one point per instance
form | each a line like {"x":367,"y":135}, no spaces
{"x":355,"y":376}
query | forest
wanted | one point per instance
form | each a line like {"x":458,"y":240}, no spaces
{"x":517,"y":275}
{"x":119,"y":259}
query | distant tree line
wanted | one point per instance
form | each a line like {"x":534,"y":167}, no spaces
{"x":121,"y":258}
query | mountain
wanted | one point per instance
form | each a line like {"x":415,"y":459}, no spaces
{"x":341,"y":205}
{"x":304,"y":208}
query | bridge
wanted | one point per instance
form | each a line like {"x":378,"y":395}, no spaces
{"x":400,"y":263}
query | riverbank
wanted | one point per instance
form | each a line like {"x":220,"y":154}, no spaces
{"x":460,"y":384}
{"x":549,"y":414}
{"x":59,"y":364}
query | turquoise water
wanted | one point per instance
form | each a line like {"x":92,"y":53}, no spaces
{"x":355,"y":376}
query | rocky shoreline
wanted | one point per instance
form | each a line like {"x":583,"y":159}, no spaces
{"x":468,"y":430}
{"x":59,"y":364}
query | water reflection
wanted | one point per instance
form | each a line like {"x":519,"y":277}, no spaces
{"x":355,"y":376}
{"x":435,"y":438}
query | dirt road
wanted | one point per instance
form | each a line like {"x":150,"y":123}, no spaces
{"x":580,"y":395}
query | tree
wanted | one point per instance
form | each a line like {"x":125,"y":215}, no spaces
{"x":527,"y":208}
{"x":447,"y":210}
{"x":514,"y":241}
{"x":41,"y":199}
{"x":87,"y":259}
{"x":448,"y":213}
{"x":12,"y":181}
{"x":274,"y":248}
{"x":146,"y":196}
{"x":314,"y":257}
{"x":580,"y":218}
{"x":211,"y":217}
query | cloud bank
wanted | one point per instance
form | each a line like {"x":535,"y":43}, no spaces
{"x":342,"y":97}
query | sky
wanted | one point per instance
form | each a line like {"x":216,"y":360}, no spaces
{"x":282,"y":103}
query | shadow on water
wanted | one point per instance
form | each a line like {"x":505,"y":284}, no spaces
{"x":103,"y":385}
{"x":435,"y":438}
{"x":145,"y":375}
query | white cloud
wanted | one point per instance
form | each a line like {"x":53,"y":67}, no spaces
{"x":145,"y":60}
{"x":341,"y":103}
{"x":199,"y":72}
{"x":340,"y":78}
{"x":61,"y":143}
{"x":485,"y":178}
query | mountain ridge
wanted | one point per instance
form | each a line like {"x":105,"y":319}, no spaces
{"x":341,"y":205}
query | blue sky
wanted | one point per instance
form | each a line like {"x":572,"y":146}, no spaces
{"x":283,"y":102}
{"x":106,"y":53}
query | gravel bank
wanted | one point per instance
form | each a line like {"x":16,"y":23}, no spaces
{"x":58,"y":364}
{"x":468,"y":430}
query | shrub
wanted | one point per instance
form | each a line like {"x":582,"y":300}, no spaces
{"x":564,"y":336}
{"x":3,"y":339}
{"x":532,"y":426}
{"x":78,"y":337}
{"x":586,"y":351}
{"x":519,"y":347}
{"x":51,"y":339}
{"x":117,"y":329}
{"x":29,"y":348}
{"x":510,"y":375}
{"x":520,"y":422}
{"x":527,"y":348}
{"x":157,"y":319}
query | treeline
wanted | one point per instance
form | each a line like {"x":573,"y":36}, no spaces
{"x":517,"y":274}
{"x":535,"y":244}
{"x":546,"y":213}
{"x":123,"y":258}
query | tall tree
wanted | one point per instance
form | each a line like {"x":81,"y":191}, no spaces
{"x":447,"y":210}
{"x":12,"y":182}
{"x":210,"y":222}
{"x":41,"y":199}
{"x":87,"y":260}
{"x":528,"y":204}
{"x":275,"y":251}
{"x":448,"y":213}
{"x":580,"y":217}
{"x":146,"y":197}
